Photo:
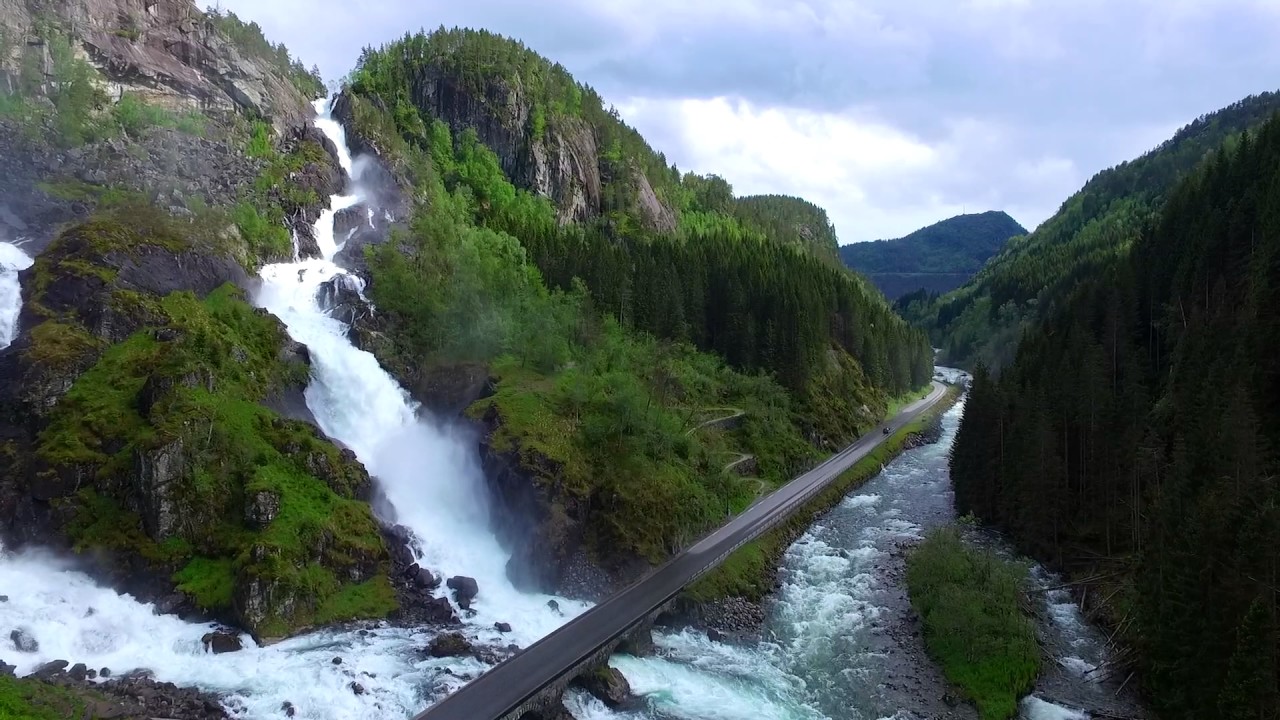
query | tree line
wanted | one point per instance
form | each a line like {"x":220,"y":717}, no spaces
{"x":1134,"y":436}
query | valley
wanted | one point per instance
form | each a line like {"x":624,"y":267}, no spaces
{"x":438,"y":390}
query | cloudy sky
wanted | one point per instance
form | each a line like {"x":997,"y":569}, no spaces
{"x":892,"y":114}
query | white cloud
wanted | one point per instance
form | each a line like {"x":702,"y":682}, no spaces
{"x":892,"y":114}
{"x":874,"y":180}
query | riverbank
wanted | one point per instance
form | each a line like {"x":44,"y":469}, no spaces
{"x":731,"y":598}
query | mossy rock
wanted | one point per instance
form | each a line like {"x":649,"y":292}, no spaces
{"x":174,"y":456}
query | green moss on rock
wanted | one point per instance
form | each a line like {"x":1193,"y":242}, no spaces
{"x":254,"y":515}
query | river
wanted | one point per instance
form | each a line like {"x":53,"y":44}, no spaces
{"x":840,"y":641}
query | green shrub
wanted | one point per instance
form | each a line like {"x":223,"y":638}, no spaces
{"x":970,"y":602}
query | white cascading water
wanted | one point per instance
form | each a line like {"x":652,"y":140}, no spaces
{"x":430,"y":477}
{"x":12,"y":260}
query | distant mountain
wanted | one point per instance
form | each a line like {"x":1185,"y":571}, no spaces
{"x":937,"y":258}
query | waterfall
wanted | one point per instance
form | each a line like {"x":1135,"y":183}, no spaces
{"x":432,"y":481}
{"x":12,"y":260}
{"x":430,"y":476}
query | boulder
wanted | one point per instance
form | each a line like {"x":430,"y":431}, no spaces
{"x":340,"y":298}
{"x":357,"y":688}
{"x":425,"y":579}
{"x":464,"y":590}
{"x":78,"y":672}
{"x":607,"y":684}
{"x":7,"y":670}
{"x":502,"y":627}
{"x":23,"y":641}
{"x":221,"y":642}
{"x":450,"y":645}
{"x":50,"y":669}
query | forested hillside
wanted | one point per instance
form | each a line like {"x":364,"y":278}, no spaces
{"x":791,"y":220}
{"x":936,"y":258}
{"x":1133,"y":438}
{"x":610,"y":330}
{"x":1030,"y":278}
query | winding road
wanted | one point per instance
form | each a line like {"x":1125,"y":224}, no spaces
{"x":511,"y":684}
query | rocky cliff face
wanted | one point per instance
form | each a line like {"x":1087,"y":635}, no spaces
{"x":166,"y":51}
{"x":562,"y":163}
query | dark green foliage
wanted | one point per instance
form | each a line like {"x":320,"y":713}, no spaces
{"x":1137,"y":428}
{"x":1033,"y":276}
{"x":790,"y":220}
{"x":970,"y":603}
{"x":248,"y":37}
{"x":939,"y":257}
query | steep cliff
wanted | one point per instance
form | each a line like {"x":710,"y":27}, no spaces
{"x":552,"y":136}
{"x":168,"y":52}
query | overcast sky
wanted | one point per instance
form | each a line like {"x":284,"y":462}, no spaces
{"x":891,"y":114}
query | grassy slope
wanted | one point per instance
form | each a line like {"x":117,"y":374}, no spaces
{"x":748,"y":572}
{"x":974,"y":626}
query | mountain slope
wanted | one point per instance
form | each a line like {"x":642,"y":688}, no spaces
{"x":1133,"y":438}
{"x":664,"y":298}
{"x":983,"y":319}
{"x":790,"y":220}
{"x":936,"y":258}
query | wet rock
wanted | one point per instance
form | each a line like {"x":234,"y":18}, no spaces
{"x":104,"y":672}
{"x":7,"y":670}
{"x":340,"y":298}
{"x":262,"y":507}
{"x":438,"y":611}
{"x":398,"y":539}
{"x":91,"y":674}
{"x":337,"y":661}
{"x":425,"y":579}
{"x":23,"y":641}
{"x":639,"y":643}
{"x":221,"y":642}
{"x":49,"y":669}
{"x":447,"y":390}
{"x":4,"y":598}
{"x":288,"y":709}
{"x":464,"y":590}
{"x":608,"y":685}
{"x":502,"y":627}
{"x":553,"y":605}
{"x":449,"y":645}
{"x":357,"y":688}
{"x":714,"y":635}
{"x":78,"y":672}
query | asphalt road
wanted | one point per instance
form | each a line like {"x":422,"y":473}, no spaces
{"x":510,"y":684}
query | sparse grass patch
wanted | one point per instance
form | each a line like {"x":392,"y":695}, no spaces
{"x":970,"y":602}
